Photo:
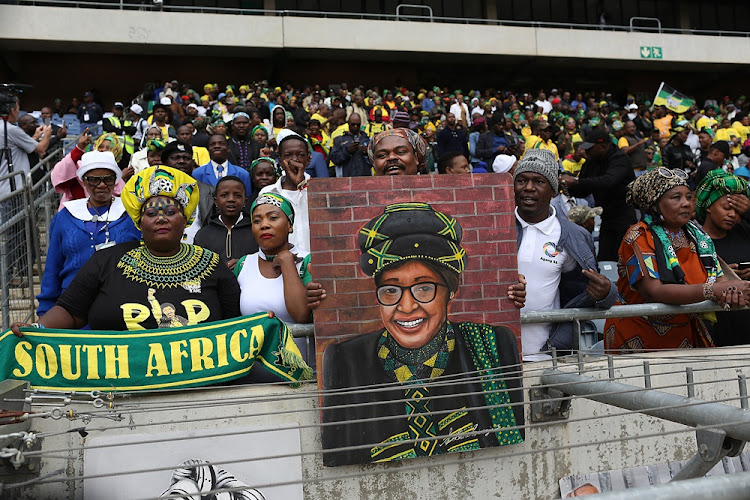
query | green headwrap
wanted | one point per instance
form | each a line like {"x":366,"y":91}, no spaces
{"x":262,"y":159}
{"x":256,"y":128}
{"x":276,"y":200}
{"x":155,"y":145}
{"x":716,"y":184}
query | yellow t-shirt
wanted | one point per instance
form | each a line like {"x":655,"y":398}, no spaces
{"x":705,"y":122}
{"x":742,"y":130}
{"x":373,"y":128}
{"x":574,"y":167}
{"x":200,"y":156}
{"x":535,"y":142}
{"x":726,"y":134}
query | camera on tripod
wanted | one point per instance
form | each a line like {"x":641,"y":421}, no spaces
{"x":9,"y":96}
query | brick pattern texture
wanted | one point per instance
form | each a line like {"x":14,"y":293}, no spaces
{"x":339,"y":207}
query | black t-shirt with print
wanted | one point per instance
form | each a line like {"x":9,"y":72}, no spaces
{"x":125,"y":287}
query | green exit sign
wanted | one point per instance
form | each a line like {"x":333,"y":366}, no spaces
{"x":651,"y":53}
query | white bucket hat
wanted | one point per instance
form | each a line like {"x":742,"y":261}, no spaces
{"x":98,"y":159}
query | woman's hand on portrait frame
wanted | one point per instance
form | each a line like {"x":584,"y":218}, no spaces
{"x":315,"y":294}
{"x":517,"y":292}
{"x":599,"y":285}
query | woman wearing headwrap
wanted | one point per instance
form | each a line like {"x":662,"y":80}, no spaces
{"x":264,"y":171}
{"x":157,"y":283}
{"x":84,"y":226}
{"x":667,"y":258}
{"x":149,"y":156}
{"x":274,"y":277}
{"x":721,"y":199}
{"x":398,"y":151}
{"x":418,"y":372}
{"x":64,"y":175}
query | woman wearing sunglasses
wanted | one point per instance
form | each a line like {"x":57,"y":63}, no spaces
{"x":667,"y":258}
{"x":411,"y":388}
{"x":84,"y":226}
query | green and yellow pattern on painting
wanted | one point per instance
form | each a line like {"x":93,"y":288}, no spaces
{"x":208,"y":353}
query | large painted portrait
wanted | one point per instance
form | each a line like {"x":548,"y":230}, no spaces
{"x":433,"y":367}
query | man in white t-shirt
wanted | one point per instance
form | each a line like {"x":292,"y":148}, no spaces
{"x":461,"y":111}
{"x":555,"y":255}
{"x":543,"y":103}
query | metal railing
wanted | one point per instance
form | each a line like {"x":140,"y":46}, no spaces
{"x":22,"y":212}
{"x":382,"y":17}
{"x":399,"y":16}
{"x":633,"y":27}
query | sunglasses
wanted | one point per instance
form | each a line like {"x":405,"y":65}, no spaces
{"x":668,"y":173}
{"x":94,"y":181}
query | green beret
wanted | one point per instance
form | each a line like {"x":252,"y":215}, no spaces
{"x":411,"y":231}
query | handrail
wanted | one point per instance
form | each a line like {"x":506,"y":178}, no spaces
{"x":582,"y":314}
{"x":412,"y":6}
{"x":364,"y":15}
{"x":658,"y":22}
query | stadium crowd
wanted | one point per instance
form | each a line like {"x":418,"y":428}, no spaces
{"x":670,"y":189}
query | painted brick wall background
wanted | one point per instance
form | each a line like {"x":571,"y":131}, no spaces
{"x":339,"y":207}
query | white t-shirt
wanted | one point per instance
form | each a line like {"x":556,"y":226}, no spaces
{"x":542,"y":262}
{"x":456,"y":110}
{"x":300,"y":237}
{"x":545,"y":105}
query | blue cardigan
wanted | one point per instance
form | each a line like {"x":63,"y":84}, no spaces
{"x":71,"y":245}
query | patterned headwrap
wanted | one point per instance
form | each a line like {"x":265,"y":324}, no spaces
{"x":645,"y":191}
{"x":246,"y":88}
{"x":417,"y":142}
{"x":208,"y":86}
{"x":115,"y":145}
{"x":716,"y":184}
{"x":288,"y":116}
{"x":276,"y":200}
{"x":411,"y":231}
{"x":160,"y":181}
{"x":258,"y":127}
{"x":274,"y":164}
{"x":155,"y":145}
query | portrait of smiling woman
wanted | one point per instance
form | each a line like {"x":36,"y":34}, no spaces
{"x":411,"y":388}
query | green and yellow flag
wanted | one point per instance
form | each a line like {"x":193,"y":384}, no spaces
{"x":669,"y":97}
{"x":192,"y":356}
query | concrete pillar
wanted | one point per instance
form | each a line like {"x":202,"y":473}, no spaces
{"x":269,"y":5}
{"x":490,"y":11}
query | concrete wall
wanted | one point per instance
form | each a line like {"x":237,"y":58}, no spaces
{"x":134,"y":30}
{"x":597,"y":437}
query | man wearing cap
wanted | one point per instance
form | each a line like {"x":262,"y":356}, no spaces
{"x":717,"y":153}
{"x":584,"y":215}
{"x":676,"y":154}
{"x":555,"y":255}
{"x":141,"y":125}
{"x":122,"y":127}
{"x":495,"y":141}
{"x":605,"y":175}
{"x":89,"y":112}
{"x":160,"y":117}
{"x":541,"y":138}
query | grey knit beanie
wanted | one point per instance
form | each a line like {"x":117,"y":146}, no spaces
{"x":540,"y":161}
